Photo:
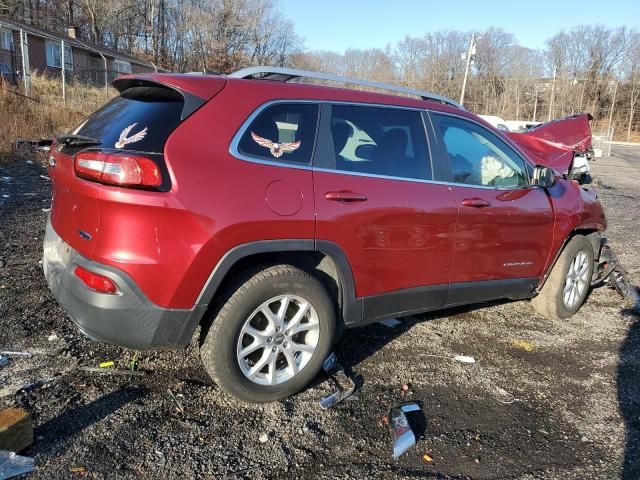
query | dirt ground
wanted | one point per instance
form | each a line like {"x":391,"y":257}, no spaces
{"x":564,"y":404}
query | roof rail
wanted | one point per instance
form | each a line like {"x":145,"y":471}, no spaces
{"x":280,"y":74}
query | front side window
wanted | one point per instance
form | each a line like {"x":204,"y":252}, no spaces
{"x":54,"y":55}
{"x":6,"y":39}
{"x":380,"y":141}
{"x":283,"y":132}
{"x":475,"y":156}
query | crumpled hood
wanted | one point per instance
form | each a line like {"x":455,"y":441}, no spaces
{"x":553,"y":144}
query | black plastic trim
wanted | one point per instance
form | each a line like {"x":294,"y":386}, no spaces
{"x":324,"y":156}
{"x":350,"y":306}
{"x":427,"y":298}
{"x":436,"y":149}
{"x":404,"y":302}
{"x":191,"y":102}
{"x":482,"y":291}
{"x":595,"y":238}
{"x":236,"y":254}
{"x":357,"y":311}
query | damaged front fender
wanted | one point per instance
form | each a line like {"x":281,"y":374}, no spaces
{"x":554,"y":144}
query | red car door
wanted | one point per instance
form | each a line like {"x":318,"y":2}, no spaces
{"x":504,"y":227}
{"x":375,"y":199}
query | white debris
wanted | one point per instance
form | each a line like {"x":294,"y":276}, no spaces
{"x":6,"y":179}
{"x":52,"y":337}
{"x":264,"y":438}
{"x":6,"y":196}
{"x":46,"y":210}
{"x":464,"y":359}
{"x":29,"y":161}
{"x":45,"y":177}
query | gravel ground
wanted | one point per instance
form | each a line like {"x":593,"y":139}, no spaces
{"x":563,"y":404}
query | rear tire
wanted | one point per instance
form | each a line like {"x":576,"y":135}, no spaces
{"x":256,"y":325}
{"x":566,"y":288}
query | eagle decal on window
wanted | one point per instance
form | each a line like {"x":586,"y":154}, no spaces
{"x":124,"y":140}
{"x":276,"y":149}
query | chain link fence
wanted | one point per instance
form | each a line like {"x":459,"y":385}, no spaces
{"x":87,"y":79}
{"x":602,"y":141}
{"x":42,"y":66}
{"x":10,"y":61}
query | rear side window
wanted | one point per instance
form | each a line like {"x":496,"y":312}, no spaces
{"x":282,"y":132}
{"x":380,"y":141}
{"x":140,"y":119}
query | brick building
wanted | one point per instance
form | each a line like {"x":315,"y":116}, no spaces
{"x":84,"y":61}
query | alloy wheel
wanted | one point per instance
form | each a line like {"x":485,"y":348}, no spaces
{"x":576,"y":281}
{"x":278,"y":340}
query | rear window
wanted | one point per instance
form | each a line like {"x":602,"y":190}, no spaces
{"x":284,"y":132}
{"x":140,"y":119}
{"x":380,"y":141}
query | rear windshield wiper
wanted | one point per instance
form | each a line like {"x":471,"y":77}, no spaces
{"x":77,"y":140}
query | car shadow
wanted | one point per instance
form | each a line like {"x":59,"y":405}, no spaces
{"x":629,"y":394}
{"x":57,"y":431}
{"x":362,"y":342}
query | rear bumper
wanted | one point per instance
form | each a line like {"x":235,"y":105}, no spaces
{"x":128,"y":319}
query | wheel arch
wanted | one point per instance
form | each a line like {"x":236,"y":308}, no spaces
{"x":593,"y":235}
{"x":324,"y":258}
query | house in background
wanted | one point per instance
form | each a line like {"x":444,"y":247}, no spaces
{"x":84,"y":61}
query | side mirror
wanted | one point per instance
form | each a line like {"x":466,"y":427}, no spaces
{"x":543,"y":177}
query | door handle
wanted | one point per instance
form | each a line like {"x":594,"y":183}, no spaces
{"x":475,"y":202}
{"x":345,"y":196}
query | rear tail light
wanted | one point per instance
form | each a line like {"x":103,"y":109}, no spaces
{"x":94,"y":281}
{"x":118,"y":169}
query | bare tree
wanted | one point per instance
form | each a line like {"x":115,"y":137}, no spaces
{"x":505,"y":78}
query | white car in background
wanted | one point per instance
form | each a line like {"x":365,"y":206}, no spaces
{"x":521,"y":125}
{"x":496,"y":122}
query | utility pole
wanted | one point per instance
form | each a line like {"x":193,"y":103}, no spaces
{"x":613,"y":102}
{"x":553,"y":93}
{"x":106,"y":75}
{"x":470,"y":51}
{"x":584,"y":85}
{"x":535,"y":100}
{"x":26,"y":69}
{"x":64,"y":79}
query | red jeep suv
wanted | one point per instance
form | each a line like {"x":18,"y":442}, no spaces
{"x":274,"y":213}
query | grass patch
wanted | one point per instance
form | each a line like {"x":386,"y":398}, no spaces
{"x":45,"y":114}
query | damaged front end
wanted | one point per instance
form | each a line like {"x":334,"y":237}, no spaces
{"x":609,"y":270}
{"x":563,"y":145}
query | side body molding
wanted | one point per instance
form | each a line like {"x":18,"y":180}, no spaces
{"x":351,"y":307}
{"x":361,"y":311}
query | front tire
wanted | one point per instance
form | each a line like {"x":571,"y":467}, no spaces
{"x":271,"y":334}
{"x":566,"y":288}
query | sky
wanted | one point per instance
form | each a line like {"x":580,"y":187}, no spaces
{"x":340,"y":24}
